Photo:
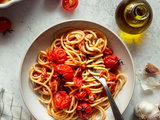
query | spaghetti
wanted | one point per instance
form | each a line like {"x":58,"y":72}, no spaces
{"x":66,"y":69}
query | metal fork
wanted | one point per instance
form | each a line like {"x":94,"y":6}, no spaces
{"x":116,"y":112}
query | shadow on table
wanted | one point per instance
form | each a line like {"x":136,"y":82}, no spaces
{"x":51,"y":5}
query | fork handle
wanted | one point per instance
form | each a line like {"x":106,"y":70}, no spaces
{"x":116,"y":112}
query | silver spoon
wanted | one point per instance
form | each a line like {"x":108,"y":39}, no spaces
{"x":116,"y":112}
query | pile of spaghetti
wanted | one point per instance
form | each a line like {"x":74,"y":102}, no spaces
{"x":63,"y":75}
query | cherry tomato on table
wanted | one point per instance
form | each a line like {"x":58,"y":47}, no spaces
{"x":83,"y":110}
{"x":5,"y":25}
{"x":69,"y":5}
{"x":63,"y":73}
{"x":61,"y":99}
{"x":111,"y":61}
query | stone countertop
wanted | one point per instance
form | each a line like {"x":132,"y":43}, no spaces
{"x":31,"y":17}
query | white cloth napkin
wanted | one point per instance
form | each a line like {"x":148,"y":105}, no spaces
{"x":10,"y":109}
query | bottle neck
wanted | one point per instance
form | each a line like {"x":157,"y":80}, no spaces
{"x":140,"y":12}
{"x":136,"y":14}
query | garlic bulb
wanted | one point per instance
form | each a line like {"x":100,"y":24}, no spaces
{"x":147,"y":111}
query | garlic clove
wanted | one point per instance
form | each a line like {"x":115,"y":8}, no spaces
{"x":150,"y":68}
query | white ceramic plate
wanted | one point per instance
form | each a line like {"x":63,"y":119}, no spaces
{"x":44,"y":40}
{"x":9,"y":3}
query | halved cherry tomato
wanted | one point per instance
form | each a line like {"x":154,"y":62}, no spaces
{"x":58,"y":55}
{"x":69,"y":5}
{"x":83,"y":110}
{"x":78,"y":78}
{"x":111,"y":61}
{"x":5,"y":25}
{"x":108,"y":51}
{"x":63,"y":73}
{"x":61,"y":99}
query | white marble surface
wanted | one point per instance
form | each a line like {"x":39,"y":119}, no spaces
{"x":31,"y":17}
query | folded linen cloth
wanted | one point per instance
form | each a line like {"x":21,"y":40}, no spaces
{"x":10,"y":109}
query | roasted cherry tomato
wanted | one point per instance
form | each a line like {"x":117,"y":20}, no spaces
{"x":85,"y":93}
{"x":61,"y":99}
{"x":112,"y":77}
{"x":83,"y":110}
{"x":63,"y":73}
{"x":112,"y":88}
{"x":80,"y":95}
{"x":111,"y":61}
{"x":112,"y":80}
{"x":44,"y":73}
{"x":107,"y":51}
{"x":78,"y":78}
{"x":102,"y":73}
{"x":69,"y":5}
{"x":53,"y":86}
{"x":90,"y":95}
{"x":58,"y":55}
{"x":5,"y":25}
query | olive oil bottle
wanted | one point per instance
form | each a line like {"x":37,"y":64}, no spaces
{"x":133,"y":16}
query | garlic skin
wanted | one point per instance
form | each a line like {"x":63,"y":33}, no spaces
{"x":147,"y":111}
{"x":152,"y":69}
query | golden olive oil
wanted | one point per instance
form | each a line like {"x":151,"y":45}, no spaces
{"x":133,"y":16}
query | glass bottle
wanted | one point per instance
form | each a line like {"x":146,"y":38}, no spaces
{"x":133,"y":16}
